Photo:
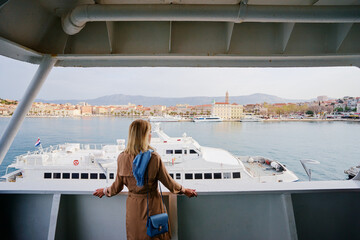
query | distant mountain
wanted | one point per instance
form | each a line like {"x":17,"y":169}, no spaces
{"x":121,"y":99}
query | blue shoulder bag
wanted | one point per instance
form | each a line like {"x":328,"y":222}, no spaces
{"x":156,"y":224}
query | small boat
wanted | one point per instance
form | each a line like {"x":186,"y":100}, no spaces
{"x":353,"y":171}
{"x":211,"y":118}
{"x":165,"y":118}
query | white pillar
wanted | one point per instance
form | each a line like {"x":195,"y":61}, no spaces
{"x":24,"y":105}
{"x":54,"y":215}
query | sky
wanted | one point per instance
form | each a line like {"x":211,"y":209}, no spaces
{"x":89,"y":83}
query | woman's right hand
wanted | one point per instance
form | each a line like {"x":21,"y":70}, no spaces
{"x":190,"y":192}
{"x":99,"y":192}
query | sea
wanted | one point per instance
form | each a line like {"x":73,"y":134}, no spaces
{"x":335,"y":144}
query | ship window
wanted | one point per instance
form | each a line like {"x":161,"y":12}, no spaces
{"x":178,"y":176}
{"x":171,"y":175}
{"x":185,"y":151}
{"x":47,"y":175}
{"x":208,"y":175}
{"x":192,"y":151}
{"x":56,"y":175}
{"x":75,"y":176}
{"x":188,"y":176}
{"x":102,"y":176}
{"x":169,"y":151}
{"x":217,"y":175}
{"x":111,"y":175}
{"x":227,"y":175}
{"x":178,"y":151}
{"x":93,"y":175}
{"x":198,"y":175}
{"x":236,"y":174}
{"x":84,"y":175}
{"x":66,"y":176}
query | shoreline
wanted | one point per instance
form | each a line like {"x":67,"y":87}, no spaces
{"x":189,"y":120}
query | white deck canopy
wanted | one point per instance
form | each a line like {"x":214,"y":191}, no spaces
{"x":191,"y":33}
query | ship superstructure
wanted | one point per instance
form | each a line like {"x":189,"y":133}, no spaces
{"x":184,"y":158}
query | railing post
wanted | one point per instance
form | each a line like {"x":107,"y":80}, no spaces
{"x":24,"y":105}
{"x":173,"y":216}
{"x":289,"y":215}
{"x":54,"y":215}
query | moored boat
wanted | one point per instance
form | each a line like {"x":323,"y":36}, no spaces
{"x":211,"y":118}
{"x":165,"y":118}
{"x":183,"y":156}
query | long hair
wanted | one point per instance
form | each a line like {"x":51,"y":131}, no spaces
{"x":138,"y":139}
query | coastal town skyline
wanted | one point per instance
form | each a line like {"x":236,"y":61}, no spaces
{"x":89,"y":83}
{"x":322,"y":107}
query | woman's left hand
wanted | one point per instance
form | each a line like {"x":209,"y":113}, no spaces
{"x":190,"y":192}
{"x":99,"y":192}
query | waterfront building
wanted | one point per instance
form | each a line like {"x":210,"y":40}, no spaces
{"x":222,"y":110}
{"x":358,"y":108}
{"x":158,"y":109}
{"x":99,"y":110}
{"x":351,"y":103}
{"x":205,"y":109}
{"x":227,"y":111}
{"x":184,"y":109}
{"x":172,"y":110}
{"x":86,"y":110}
{"x":146,"y":111}
{"x":4,"y":112}
{"x":256,"y":109}
{"x":237,"y":111}
{"x":72,"y":112}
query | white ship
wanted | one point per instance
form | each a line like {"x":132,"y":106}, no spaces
{"x":165,"y":118}
{"x":211,"y":118}
{"x":185,"y":160}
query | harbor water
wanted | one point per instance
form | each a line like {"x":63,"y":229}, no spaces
{"x":334,"y":144}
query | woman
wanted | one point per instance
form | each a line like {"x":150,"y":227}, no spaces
{"x":139,"y":169}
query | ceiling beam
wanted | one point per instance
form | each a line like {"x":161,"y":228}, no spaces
{"x":119,"y":60}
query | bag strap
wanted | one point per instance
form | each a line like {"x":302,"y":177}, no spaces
{"x":162,"y":198}
{"x":147,"y":195}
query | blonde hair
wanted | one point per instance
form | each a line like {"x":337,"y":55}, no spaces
{"x":138,"y":140}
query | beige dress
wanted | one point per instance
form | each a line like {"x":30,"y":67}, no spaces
{"x":136,"y":215}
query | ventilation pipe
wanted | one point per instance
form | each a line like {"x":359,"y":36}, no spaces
{"x":76,"y":19}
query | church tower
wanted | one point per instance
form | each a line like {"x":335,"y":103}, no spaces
{"x":227,"y":97}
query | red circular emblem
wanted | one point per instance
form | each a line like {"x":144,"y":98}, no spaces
{"x":76,"y":162}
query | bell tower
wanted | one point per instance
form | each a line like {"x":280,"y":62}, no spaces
{"x":227,"y":97}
